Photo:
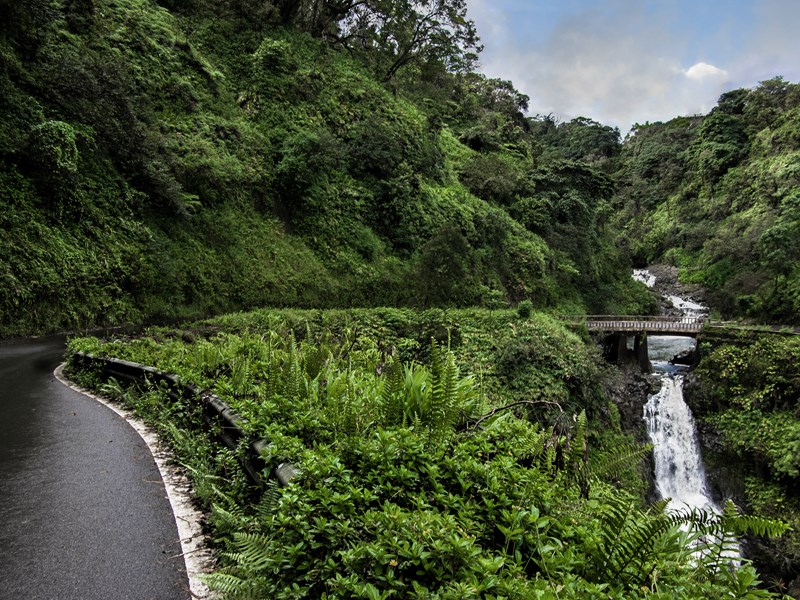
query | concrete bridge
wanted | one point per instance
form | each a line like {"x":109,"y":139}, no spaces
{"x":616,"y":332}
{"x":688,"y":326}
{"x":618,"y":329}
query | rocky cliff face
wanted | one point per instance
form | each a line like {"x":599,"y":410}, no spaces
{"x":630,"y":392}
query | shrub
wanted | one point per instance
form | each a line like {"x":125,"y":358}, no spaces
{"x":524,"y":309}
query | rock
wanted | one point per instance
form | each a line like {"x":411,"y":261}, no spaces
{"x":630,"y":394}
{"x":668,"y":284}
{"x":687,"y":357}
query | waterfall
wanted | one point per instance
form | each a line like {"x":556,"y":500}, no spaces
{"x":679,"y":470}
{"x":645,"y":276}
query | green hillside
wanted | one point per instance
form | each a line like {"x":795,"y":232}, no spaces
{"x":177,"y":159}
{"x":719,"y":196}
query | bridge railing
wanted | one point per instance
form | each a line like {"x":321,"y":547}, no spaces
{"x":638,"y":322}
{"x":636,"y":318}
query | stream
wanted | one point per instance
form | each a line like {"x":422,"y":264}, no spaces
{"x":679,"y":472}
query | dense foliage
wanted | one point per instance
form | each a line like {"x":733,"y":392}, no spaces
{"x":718,"y":196}
{"x":747,"y":395}
{"x":423,"y":471}
{"x":183,"y":158}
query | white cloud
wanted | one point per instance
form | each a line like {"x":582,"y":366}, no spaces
{"x":616,"y":61}
{"x":704,"y":71}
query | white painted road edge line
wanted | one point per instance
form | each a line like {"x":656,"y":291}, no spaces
{"x":195,"y":545}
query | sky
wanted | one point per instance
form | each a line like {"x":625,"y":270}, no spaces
{"x":622,"y":62}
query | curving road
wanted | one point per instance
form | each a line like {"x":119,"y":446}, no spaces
{"x":83,"y":510}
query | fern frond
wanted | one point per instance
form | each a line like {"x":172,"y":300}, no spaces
{"x":254,"y":551}
{"x":392,"y":393}
{"x":659,"y":507}
{"x":628,"y":537}
{"x":114,"y":389}
{"x":443,"y":411}
{"x":613,"y":463}
{"x":228,"y":584}
{"x":269,"y":501}
{"x":735,"y":522}
{"x":295,"y":372}
{"x":577,"y":455}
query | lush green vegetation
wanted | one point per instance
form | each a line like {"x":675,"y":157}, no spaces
{"x":458,"y":454}
{"x":747,"y":396}
{"x":718,"y":197}
{"x":165,"y":159}
{"x":169,"y":159}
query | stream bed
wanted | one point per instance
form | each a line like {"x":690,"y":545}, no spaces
{"x":679,"y":472}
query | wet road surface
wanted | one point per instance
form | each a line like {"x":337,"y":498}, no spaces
{"x":83,"y":510}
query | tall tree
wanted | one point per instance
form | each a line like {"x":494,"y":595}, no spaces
{"x":403,"y":32}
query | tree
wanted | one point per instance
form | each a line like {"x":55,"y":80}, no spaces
{"x":588,"y":140}
{"x":780,"y":252}
{"x":492,"y":112}
{"x":403,"y":32}
{"x":721,"y":142}
{"x":26,"y":24}
{"x":445,"y":267}
{"x":493,"y":179}
{"x":771,"y":99}
{"x":320,"y":18}
{"x":732,"y":102}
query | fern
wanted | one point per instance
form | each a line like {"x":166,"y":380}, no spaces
{"x":577,"y":455}
{"x":720,"y":533}
{"x":415,"y":393}
{"x":613,"y":463}
{"x":443,"y":399}
{"x":437,"y":397}
{"x":230,"y":585}
{"x":583,"y":470}
{"x":392,"y":404}
{"x":269,"y":500}
{"x":629,"y":550}
{"x":228,"y":519}
{"x":740,"y":524}
{"x":295,"y":373}
{"x":115,"y":390}
{"x":628,"y":540}
{"x":253,"y":551}
{"x":240,"y":376}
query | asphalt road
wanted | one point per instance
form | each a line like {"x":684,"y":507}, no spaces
{"x":83,"y":510}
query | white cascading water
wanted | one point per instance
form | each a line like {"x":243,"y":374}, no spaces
{"x":679,"y":472}
{"x":645,"y":276}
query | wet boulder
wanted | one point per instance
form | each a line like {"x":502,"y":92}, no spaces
{"x":686,"y":357}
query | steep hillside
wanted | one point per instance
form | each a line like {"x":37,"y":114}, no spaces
{"x":719,"y":196}
{"x":187,"y":158}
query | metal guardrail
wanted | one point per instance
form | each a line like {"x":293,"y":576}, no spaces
{"x":637,"y":318}
{"x":217,"y":415}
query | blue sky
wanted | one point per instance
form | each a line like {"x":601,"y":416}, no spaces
{"x":631,"y":61}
